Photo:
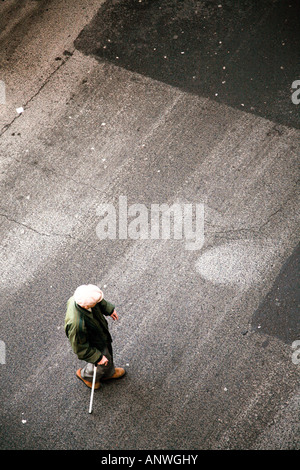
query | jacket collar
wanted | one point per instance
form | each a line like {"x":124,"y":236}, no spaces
{"x":83,"y":310}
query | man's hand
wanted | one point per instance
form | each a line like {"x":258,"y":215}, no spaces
{"x":103,"y":361}
{"x":114,"y":315}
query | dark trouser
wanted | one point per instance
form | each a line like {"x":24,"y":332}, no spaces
{"x":102,"y":371}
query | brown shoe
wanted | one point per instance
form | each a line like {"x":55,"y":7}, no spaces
{"x":87,"y":382}
{"x":119,"y":372}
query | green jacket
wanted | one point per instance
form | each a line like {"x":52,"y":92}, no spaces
{"x":88,"y":331}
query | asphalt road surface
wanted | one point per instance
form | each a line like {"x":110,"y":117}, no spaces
{"x":161,"y":102}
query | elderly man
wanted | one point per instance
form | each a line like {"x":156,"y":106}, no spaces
{"x":87,"y":330}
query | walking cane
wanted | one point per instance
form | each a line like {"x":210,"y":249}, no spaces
{"x":93,"y":388}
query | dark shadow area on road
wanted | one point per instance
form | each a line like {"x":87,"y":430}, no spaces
{"x":244,"y":54}
{"x":278,"y":314}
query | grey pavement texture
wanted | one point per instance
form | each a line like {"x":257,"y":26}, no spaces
{"x":205,"y":335}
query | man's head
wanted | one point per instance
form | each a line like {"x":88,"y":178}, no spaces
{"x":87,"y":296}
